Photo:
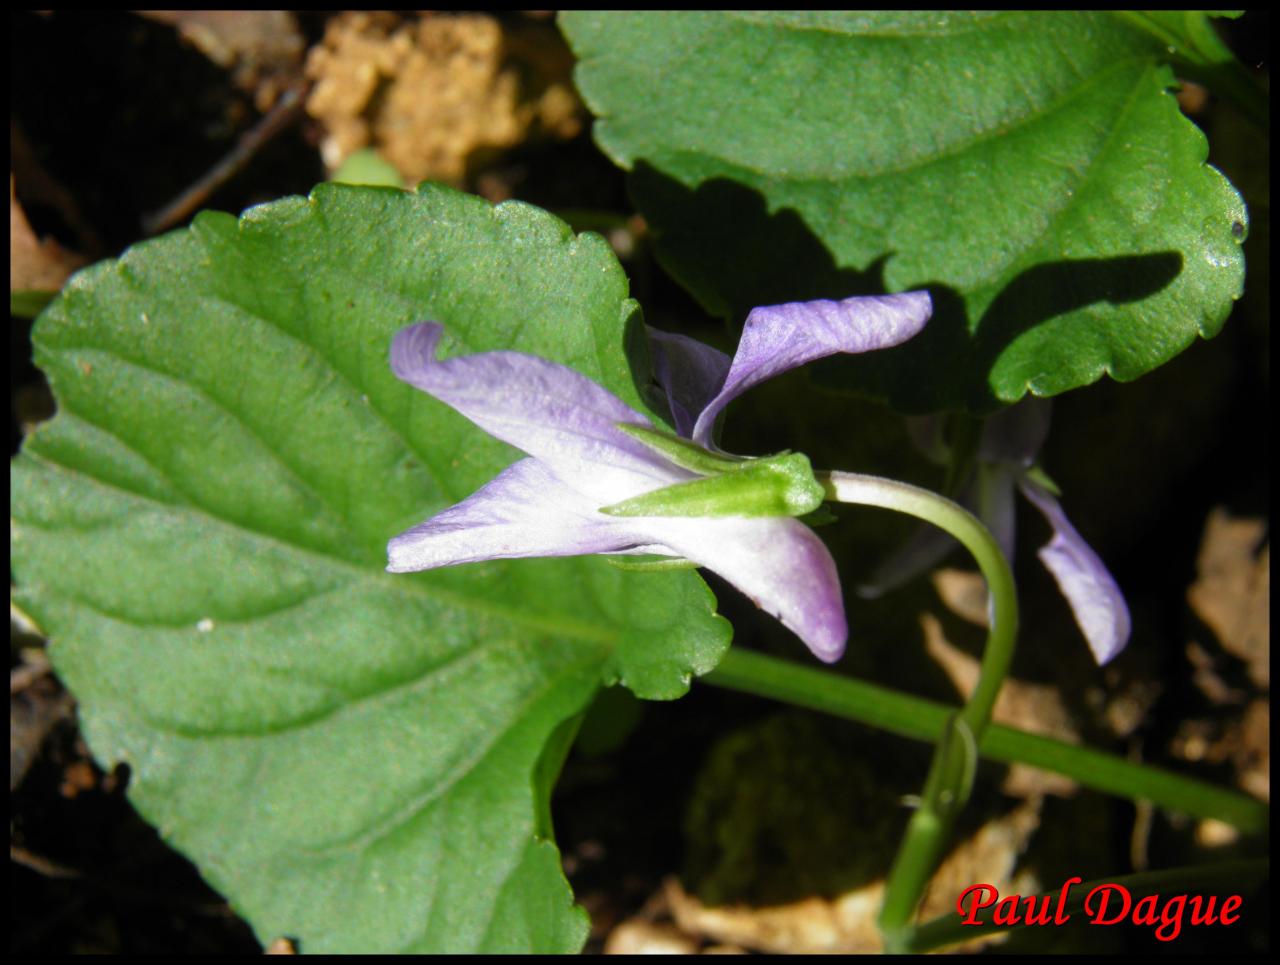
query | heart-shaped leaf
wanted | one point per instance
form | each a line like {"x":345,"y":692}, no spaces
{"x":1032,"y":170}
{"x":358,"y":760}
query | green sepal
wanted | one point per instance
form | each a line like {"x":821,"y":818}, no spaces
{"x":651,"y":564}
{"x":682,"y":452}
{"x":781,"y":485}
{"x":1038,"y":476}
{"x":822,"y":516}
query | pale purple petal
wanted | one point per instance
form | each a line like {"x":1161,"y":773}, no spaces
{"x":778,"y":338}
{"x":548,"y":410}
{"x":690,"y":372}
{"x":1095,"y":598}
{"x":779,"y":563}
{"x":1015,"y":435}
{"x":525,"y":511}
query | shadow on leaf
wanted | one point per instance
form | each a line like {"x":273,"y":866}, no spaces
{"x":723,"y":245}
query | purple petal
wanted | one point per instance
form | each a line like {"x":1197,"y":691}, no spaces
{"x":779,"y":563}
{"x":525,"y":511}
{"x":690,"y":372}
{"x":548,"y":410}
{"x":778,"y":338}
{"x":1016,"y":434}
{"x":1095,"y":598}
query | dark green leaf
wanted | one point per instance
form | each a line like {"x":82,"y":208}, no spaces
{"x":1032,"y":170}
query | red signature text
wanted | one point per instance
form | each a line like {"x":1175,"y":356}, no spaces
{"x":1105,"y":904}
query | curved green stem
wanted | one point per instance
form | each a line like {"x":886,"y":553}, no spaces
{"x":846,"y":487}
{"x":951,"y":773}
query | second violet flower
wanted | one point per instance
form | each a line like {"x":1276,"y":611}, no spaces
{"x":1005,"y":463}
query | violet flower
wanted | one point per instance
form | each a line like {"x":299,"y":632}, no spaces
{"x":1005,"y":460}
{"x":589,"y":451}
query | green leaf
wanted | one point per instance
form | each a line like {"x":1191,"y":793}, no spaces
{"x":1197,"y":52}
{"x":1032,"y":170}
{"x":358,"y":760}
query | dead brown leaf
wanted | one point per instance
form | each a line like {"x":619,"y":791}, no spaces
{"x":262,"y":48}
{"x":847,"y":924}
{"x":1031,"y":707}
{"x":1232,"y":597}
{"x":1232,"y":592}
{"x":439,"y":95}
{"x":1245,"y":743}
{"x":964,"y":593}
{"x":635,"y":937}
{"x":36,"y":704}
{"x":35,"y":264}
{"x":1253,"y":752}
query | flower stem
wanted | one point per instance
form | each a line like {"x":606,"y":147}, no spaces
{"x":862,"y":490}
{"x":915,"y":718}
{"x":951,"y":773}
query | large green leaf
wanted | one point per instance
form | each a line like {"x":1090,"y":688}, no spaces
{"x":358,"y":760}
{"x":1031,"y":170}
